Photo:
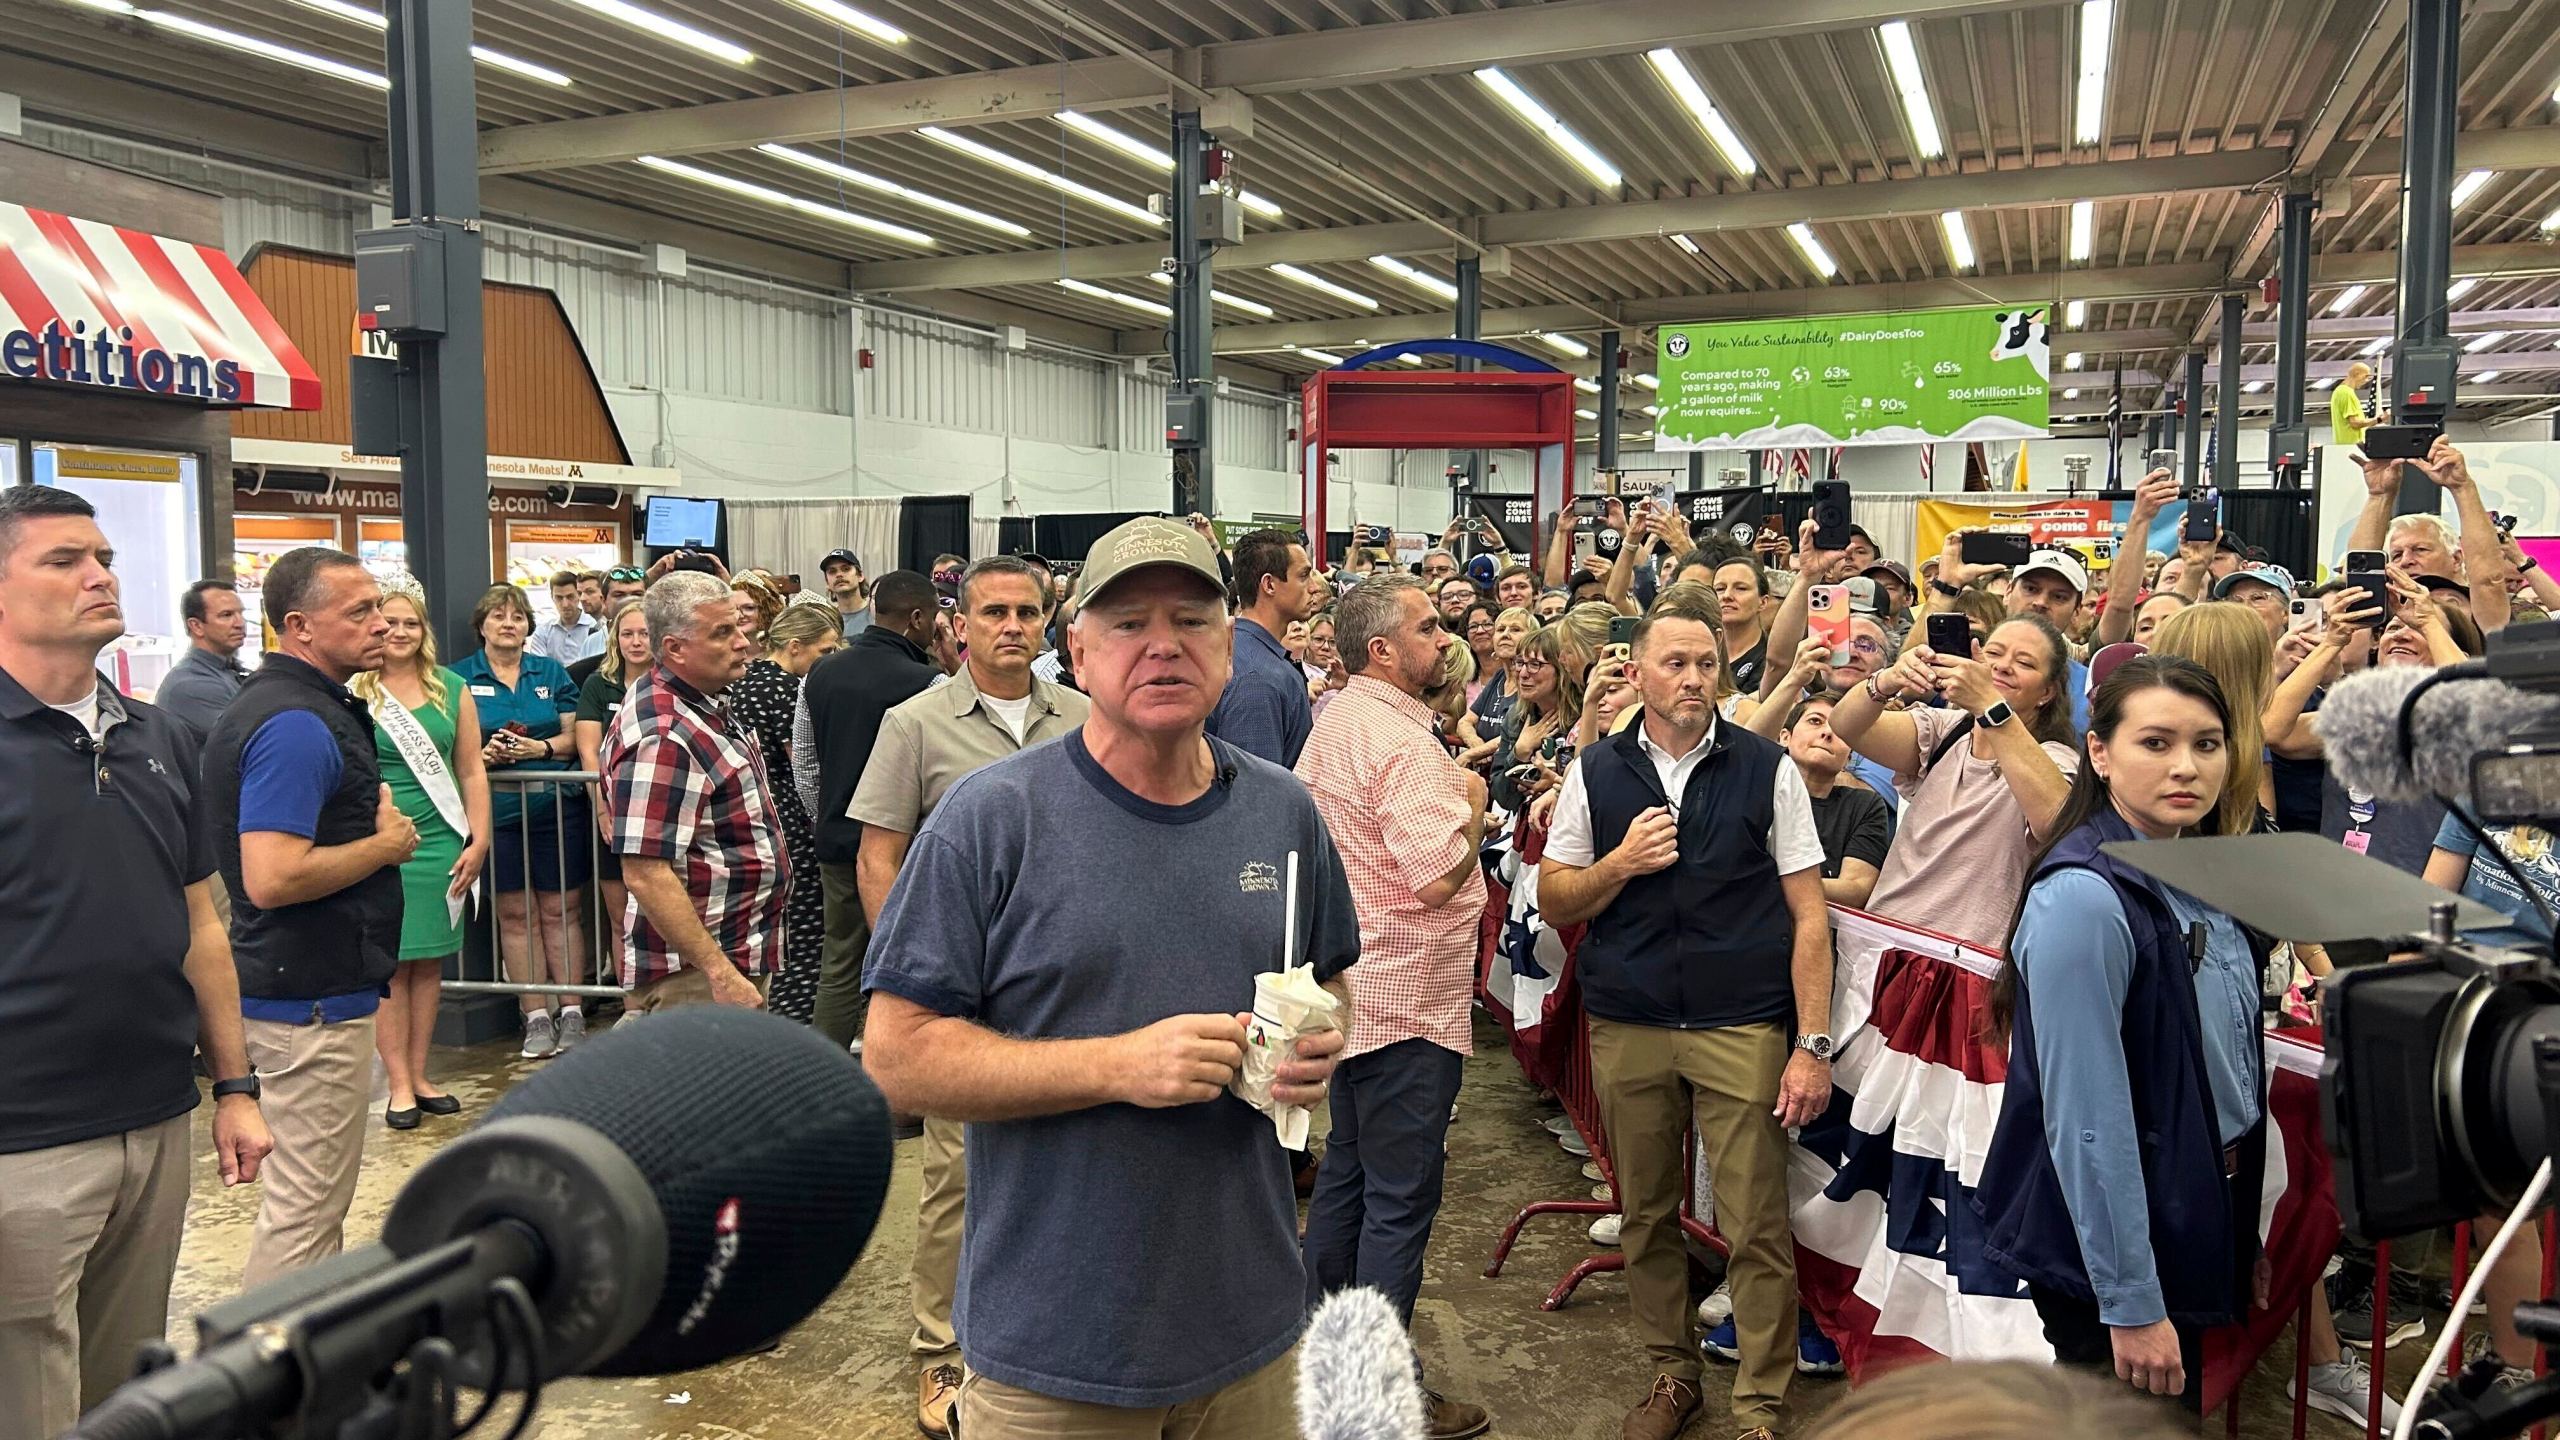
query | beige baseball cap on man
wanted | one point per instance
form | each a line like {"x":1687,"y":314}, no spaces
{"x":1142,"y":544}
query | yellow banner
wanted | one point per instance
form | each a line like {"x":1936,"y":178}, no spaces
{"x":2059,"y":521}
{"x":524,"y":534}
{"x":115,"y":465}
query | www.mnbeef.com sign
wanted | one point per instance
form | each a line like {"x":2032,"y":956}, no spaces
{"x":109,"y":308}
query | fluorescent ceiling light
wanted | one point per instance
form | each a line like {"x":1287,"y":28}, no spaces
{"x":1959,"y":244}
{"x":2097,"y":33}
{"x":1802,"y":234}
{"x":2378,"y":346}
{"x":1158,"y":157}
{"x":1587,"y":387}
{"x":852,"y":19}
{"x":374,"y":20}
{"x":788,"y":201}
{"x":1313,"y":281}
{"x":2485,"y":342}
{"x":1542,"y":120}
{"x":2551,"y":221}
{"x":2485,"y":376}
{"x":1652,"y":410}
{"x":1685,"y":243}
{"x":2071,"y":394}
{"x":252,"y":45}
{"x":1029,"y":171}
{"x":112,"y":7}
{"x":1096,"y":292}
{"x":1413,"y":360}
{"x":1902,"y":57}
{"x":1675,"y":73}
{"x":868,"y":181}
{"x":2468,"y":186}
{"x":2072,"y":361}
{"x":2084,"y":228}
{"x":2253,"y":387}
{"x":1417,"y":278}
{"x":1650,"y":382}
{"x":1250,"y":307}
{"x":666,"y":29}
{"x":2458,"y":289}
{"x":1585,"y":415}
{"x":1565,"y":345}
{"x":2075,"y":313}
{"x":2346,"y":300}
{"x":1326,"y":356}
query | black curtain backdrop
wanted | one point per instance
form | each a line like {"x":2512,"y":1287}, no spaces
{"x":930,"y":525}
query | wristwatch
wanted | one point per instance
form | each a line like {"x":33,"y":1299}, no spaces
{"x":1817,"y":1046}
{"x":2528,"y":565}
{"x":1952,"y":592}
{"x":243,"y":1085}
{"x":1875,"y":692}
{"x":1997,"y":715}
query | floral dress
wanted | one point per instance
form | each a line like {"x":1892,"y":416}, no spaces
{"x":764,"y":697}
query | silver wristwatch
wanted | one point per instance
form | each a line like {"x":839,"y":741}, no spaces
{"x":1817,"y":1046}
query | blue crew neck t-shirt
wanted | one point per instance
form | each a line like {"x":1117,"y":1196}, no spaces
{"x":1117,"y":1255}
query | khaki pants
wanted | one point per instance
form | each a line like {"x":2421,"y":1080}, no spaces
{"x":88,"y":1243}
{"x":841,"y":1004}
{"x":317,"y":1085}
{"x":1261,"y":1406}
{"x":685,"y":987}
{"x":935,"y":1275}
{"x":1652,"y":1082}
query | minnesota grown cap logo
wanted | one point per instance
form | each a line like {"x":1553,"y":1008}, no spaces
{"x":1169,"y":543}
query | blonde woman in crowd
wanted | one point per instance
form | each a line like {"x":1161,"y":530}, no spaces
{"x":626,"y":658}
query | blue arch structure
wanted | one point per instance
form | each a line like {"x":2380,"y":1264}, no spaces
{"x":1482,"y":351}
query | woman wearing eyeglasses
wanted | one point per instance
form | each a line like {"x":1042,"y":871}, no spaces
{"x":1539,"y":726}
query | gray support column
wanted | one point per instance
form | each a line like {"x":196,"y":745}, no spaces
{"x":2426,"y":215}
{"x":1468,"y":324}
{"x":2226,"y":396}
{"x":1608,"y":459}
{"x":1194,"y":459}
{"x":1697,"y":469}
{"x":2191,"y":457}
{"x":434,"y":149}
{"x":2293,"y":327}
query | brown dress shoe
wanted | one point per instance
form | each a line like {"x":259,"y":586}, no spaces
{"x":1447,"y":1419}
{"x":1666,"y":1411}
{"x":937,"y":1391}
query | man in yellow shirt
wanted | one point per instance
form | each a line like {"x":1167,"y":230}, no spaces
{"x":2347,"y":418}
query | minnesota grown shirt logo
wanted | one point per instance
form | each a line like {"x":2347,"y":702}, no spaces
{"x":724,"y":1253}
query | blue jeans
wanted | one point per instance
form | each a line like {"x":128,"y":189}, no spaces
{"x":1379,"y":1187}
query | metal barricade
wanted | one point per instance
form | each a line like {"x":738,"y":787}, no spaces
{"x":551,"y":924}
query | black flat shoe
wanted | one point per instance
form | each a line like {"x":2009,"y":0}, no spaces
{"x":439,"y":1105}
{"x":401,"y":1119}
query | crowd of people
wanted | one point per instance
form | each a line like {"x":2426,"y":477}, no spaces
{"x":934,"y":812}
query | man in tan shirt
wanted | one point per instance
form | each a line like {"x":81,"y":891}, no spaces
{"x":993,"y":707}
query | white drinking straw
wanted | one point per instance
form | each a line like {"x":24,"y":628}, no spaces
{"x":1289,"y":916}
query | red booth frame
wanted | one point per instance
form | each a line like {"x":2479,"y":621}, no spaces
{"x":1356,"y":407}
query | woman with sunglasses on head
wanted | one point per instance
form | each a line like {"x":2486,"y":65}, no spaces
{"x":2122,"y":1181}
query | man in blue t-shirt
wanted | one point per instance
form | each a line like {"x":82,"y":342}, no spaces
{"x":2457,"y":864}
{"x":1064,"y":965}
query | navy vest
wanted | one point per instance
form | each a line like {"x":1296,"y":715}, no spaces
{"x":2202,"y":1251}
{"x":1710,"y":941}
{"x":338,"y":944}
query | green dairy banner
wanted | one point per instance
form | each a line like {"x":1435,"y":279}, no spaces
{"x":1904,"y":377}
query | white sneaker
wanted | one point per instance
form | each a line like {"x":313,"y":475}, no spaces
{"x":1591,"y":1170}
{"x":573,"y":1026}
{"x":1605,"y":1193}
{"x":1559,"y":1124}
{"x":2342,"y":1390}
{"x":1717,"y":1308}
{"x":1574,"y":1145}
{"x":1604,"y":1231}
{"x":2478,"y":1343}
{"x":854,"y":1046}
{"x":541,"y":1039}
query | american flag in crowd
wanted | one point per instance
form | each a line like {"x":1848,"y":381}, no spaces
{"x":1800,"y":467}
{"x":1832,"y":470}
{"x":1928,"y":463}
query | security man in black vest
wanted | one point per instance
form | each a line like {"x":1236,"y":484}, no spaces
{"x":1689,"y":845}
{"x":311,"y":848}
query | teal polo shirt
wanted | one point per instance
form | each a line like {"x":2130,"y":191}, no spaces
{"x":542,"y":700}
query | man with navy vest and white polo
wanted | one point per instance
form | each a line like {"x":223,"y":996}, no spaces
{"x":1689,"y":847}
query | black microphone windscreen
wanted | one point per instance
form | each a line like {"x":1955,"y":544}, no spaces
{"x":768,"y":1151}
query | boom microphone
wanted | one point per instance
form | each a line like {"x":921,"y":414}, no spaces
{"x":1355,"y":1372}
{"x":683,"y":1188}
{"x":2360,"y":725}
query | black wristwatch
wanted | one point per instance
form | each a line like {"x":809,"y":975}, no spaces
{"x":1952,"y":592}
{"x":1997,"y":715}
{"x":244,"y":1085}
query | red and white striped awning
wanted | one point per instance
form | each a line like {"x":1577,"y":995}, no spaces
{"x":107,"y":308}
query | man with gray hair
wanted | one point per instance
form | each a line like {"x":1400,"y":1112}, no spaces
{"x":691,"y":812}
{"x":1407,"y":820}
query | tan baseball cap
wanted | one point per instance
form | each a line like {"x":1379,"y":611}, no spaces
{"x":1142,"y":544}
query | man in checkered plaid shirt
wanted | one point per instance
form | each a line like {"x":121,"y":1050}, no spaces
{"x":692,"y":813}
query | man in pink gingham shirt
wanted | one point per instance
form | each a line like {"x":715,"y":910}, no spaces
{"x":1406,"y":819}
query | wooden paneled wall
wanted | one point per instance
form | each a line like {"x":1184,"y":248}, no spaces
{"x":544,"y":402}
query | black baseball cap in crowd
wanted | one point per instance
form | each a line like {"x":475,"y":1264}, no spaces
{"x":832,"y":556}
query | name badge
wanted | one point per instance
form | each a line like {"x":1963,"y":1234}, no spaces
{"x":2358,"y":841}
{"x":541,"y":692}
{"x":491,"y":691}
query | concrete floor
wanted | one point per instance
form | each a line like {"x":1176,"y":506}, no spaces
{"x":844,"y":1373}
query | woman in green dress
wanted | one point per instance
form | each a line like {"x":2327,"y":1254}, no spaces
{"x":428,"y":745}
